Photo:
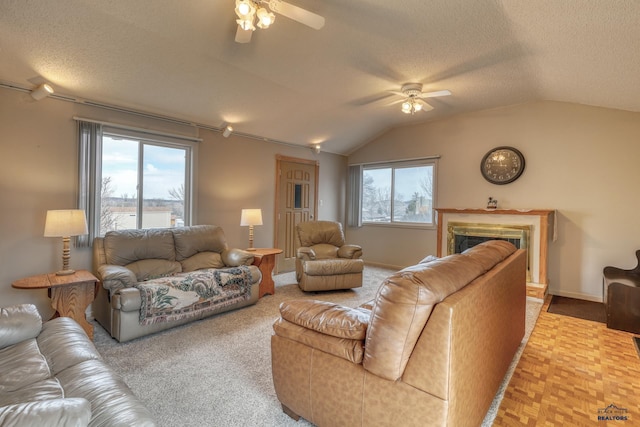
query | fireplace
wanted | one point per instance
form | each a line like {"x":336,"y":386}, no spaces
{"x":530,"y":229}
{"x":463,"y":235}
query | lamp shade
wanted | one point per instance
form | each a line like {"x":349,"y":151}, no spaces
{"x":65,"y":223}
{"x":251,"y":217}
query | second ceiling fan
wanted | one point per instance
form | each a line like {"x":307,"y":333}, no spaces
{"x":414,"y":98}
{"x":259,"y":13}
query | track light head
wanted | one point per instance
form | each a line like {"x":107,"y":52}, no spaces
{"x":41,"y":91}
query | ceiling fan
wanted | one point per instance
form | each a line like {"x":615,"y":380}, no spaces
{"x":414,"y":98}
{"x":259,"y":13}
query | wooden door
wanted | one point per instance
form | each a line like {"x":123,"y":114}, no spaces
{"x":296,"y":195}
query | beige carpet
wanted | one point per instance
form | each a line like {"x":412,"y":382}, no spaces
{"x":217,"y":371}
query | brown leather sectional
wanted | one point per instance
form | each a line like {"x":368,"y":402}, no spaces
{"x":430,"y":350}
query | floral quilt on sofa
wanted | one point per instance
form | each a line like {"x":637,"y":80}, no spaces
{"x":189,"y":294}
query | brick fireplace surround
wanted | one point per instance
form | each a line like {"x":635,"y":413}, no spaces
{"x":539,"y":221}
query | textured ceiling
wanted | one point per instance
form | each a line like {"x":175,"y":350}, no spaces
{"x":298,"y":85}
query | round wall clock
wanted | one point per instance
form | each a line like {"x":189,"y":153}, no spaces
{"x":502,"y":165}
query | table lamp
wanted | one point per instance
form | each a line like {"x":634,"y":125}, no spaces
{"x":251,"y":217}
{"x":65,"y":223}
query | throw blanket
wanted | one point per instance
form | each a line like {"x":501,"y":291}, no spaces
{"x":191,"y":294}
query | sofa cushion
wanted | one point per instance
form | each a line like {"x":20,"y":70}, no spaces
{"x":314,"y":232}
{"x":147,"y":269}
{"x":202,"y":260}
{"x":123,"y":247}
{"x":21,"y":365}
{"x":47,"y":413}
{"x":405,"y":301}
{"x":19,"y":323}
{"x":327,"y":267}
{"x":110,"y":397}
{"x":198,"y":238}
{"x":324,"y":250}
{"x":64,"y":343}
{"x":40,"y":390}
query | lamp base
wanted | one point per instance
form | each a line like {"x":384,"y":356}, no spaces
{"x":65,"y":272}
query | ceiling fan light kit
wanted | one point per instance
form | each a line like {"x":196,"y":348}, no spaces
{"x":259,"y":13}
{"x":413,"y":94}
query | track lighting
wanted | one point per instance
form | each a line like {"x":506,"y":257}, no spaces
{"x":42,"y":91}
{"x":227,"y":131}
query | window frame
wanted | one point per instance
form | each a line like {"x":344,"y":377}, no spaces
{"x":159,"y":140}
{"x":395,"y":165}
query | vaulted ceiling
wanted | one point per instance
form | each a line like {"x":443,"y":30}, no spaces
{"x":301,"y":86}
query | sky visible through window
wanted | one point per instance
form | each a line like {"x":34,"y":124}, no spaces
{"x":407,"y":180}
{"x":164,"y":167}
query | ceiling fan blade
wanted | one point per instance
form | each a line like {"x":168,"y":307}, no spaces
{"x":434,"y":94}
{"x":297,"y":14}
{"x":396,"y":102}
{"x":243,"y":36}
{"x":425,"y":106}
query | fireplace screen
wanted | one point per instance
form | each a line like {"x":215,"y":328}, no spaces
{"x":463,"y":235}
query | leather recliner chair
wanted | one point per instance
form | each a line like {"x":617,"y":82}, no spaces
{"x":323,"y":260}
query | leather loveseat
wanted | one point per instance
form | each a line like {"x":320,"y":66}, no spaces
{"x":126,"y":262}
{"x":52,"y":375}
{"x":431,"y":349}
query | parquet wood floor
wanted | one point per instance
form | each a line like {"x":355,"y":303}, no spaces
{"x":569,"y":372}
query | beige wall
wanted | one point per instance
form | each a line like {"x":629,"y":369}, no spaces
{"x":38,"y":149}
{"x":580,"y":160}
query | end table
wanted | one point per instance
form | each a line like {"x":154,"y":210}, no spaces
{"x":265,"y":260}
{"x":70,"y":295}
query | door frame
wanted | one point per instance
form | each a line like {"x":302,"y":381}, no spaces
{"x":279,"y":159}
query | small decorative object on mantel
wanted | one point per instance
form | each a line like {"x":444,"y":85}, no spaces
{"x":492,"y":203}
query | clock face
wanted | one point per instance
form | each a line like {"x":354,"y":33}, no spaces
{"x":502,"y":165}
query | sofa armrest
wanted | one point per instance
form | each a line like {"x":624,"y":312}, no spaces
{"x":47,"y":413}
{"x":236,"y":257}
{"x":351,"y":350}
{"x":305,"y":253}
{"x":350,"y":251}
{"x":19,"y":323}
{"x":115,"y":277}
{"x":127,"y":299}
{"x":327,"y":318}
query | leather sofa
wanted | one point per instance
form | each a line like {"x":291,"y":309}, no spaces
{"x":52,"y":375}
{"x":124,"y":260}
{"x":324,"y":262}
{"x":431,"y":349}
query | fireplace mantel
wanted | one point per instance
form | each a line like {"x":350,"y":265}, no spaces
{"x":541,"y":220}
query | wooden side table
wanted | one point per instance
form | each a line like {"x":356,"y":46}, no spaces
{"x":70,"y":295}
{"x":265,"y":260}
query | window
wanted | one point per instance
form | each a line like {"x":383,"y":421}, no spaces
{"x":398,"y":193}
{"x":143,"y":184}
{"x":132,"y":180}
